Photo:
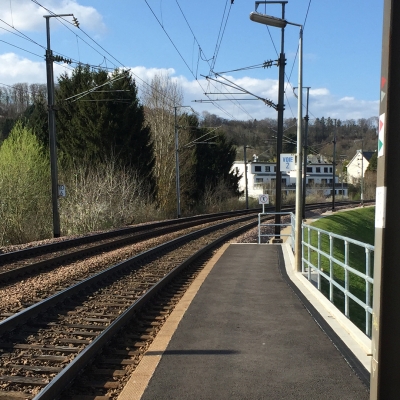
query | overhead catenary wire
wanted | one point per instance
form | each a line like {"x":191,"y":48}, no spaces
{"x":21,"y":34}
{"x":220,"y":35}
{"x":20,"y":48}
{"x":61,"y":19}
{"x":187,"y":65}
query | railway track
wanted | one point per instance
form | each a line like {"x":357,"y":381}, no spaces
{"x":17,"y":263}
{"x":46,"y":345}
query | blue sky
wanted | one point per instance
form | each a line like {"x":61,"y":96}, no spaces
{"x":342,"y":49}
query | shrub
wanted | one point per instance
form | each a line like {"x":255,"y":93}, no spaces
{"x":102,"y":197}
{"x":25,"y":188}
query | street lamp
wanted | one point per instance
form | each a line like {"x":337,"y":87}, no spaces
{"x":52,"y":123}
{"x":281,"y":23}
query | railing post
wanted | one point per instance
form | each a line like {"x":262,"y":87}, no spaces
{"x":331,"y":268}
{"x":346,"y":278}
{"x":367,"y":292}
{"x":309,"y":253}
{"x":319,"y":254}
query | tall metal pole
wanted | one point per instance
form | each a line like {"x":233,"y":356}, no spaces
{"x":342,"y":159}
{"x":362,"y":171}
{"x":245,"y":176}
{"x":178,"y":190}
{"x":305,"y":148}
{"x":385,"y":382}
{"x":281,"y":108}
{"x":52,"y":132}
{"x":334,"y":168}
{"x":299,"y":197}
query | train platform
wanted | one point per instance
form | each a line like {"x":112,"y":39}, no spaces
{"x":244,"y":330}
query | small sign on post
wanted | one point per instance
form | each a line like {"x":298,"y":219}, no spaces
{"x":288,"y":162}
{"x":61,"y":191}
{"x":263,"y":199}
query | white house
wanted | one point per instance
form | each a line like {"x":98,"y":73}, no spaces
{"x":357,"y":166}
{"x":261,"y":177}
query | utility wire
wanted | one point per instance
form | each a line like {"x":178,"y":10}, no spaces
{"x":61,"y":19}
{"x":220,"y":35}
{"x":172,"y":42}
{"x":22,"y":34}
{"x":191,"y":71}
{"x":13,"y":45}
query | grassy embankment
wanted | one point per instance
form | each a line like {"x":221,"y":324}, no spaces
{"x":356,"y":224}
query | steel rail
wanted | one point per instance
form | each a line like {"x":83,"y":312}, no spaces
{"x":88,"y":251}
{"x":68,"y":374}
{"x":92,"y":238}
{"x":23,"y":316}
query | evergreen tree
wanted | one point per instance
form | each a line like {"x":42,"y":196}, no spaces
{"x":100,"y":118}
{"x":36,"y":118}
{"x":214,"y":163}
{"x":373,"y":163}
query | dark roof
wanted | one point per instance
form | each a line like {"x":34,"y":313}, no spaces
{"x":368,"y":154}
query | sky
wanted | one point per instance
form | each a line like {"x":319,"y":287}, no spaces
{"x":191,"y":40}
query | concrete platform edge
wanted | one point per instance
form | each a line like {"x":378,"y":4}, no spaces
{"x":352,"y":337}
{"x":140,"y":378}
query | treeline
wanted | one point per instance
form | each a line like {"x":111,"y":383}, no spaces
{"x":116,"y":156}
{"x":260,"y":135}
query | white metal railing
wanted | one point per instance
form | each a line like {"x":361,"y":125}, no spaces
{"x":282,"y":225}
{"x":309,"y":269}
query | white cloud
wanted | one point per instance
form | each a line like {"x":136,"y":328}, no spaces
{"x":147,"y":74}
{"x":27,"y":16}
{"x":319,"y":92}
{"x":16,"y":69}
{"x":321,"y":102}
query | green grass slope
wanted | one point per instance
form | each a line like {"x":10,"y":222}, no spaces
{"x":356,"y":224}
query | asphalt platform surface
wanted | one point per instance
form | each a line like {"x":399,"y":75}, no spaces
{"x":248,"y":335}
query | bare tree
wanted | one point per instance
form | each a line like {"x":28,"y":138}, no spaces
{"x":161,"y":98}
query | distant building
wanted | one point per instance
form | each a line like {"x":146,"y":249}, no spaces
{"x":357,"y":166}
{"x":261,"y":178}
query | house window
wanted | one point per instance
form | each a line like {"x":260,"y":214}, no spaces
{"x":274,"y":169}
{"x":309,"y":169}
{"x":267,"y":168}
{"x":257,"y":168}
{"x":259,"y":180}
{"x":330,"y":169}
{"x":317,"y":169}
{"x":324,"y":181}
{"x":311,"y":181}
{"x":325,"y":169}
{"x":284,"y":181}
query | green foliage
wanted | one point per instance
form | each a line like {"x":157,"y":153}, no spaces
{"x":98,"y":123}
{"x":213,"y":165}
{"x":373,"y":163}
{"x":25,"y":198}
{"x":35,"y":117}
{"x":106,"y":123}
{"x":6,"y":124}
